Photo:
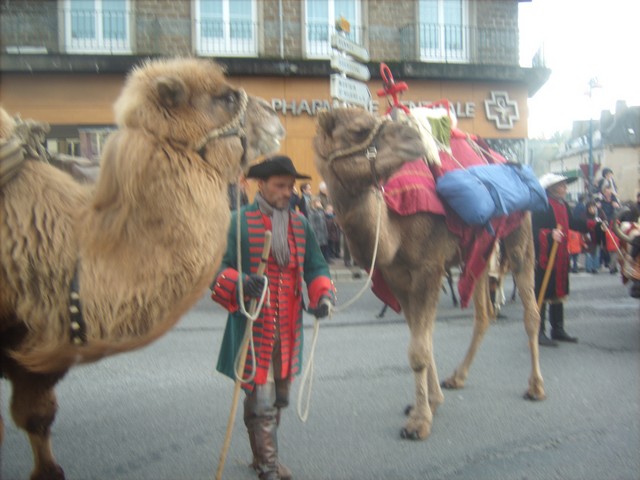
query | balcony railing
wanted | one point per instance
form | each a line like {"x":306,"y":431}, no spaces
{"x":318,"y":39}
{"x":539,"y":59}
{"x":53,"y":30}
{"x":97,"y":31}
{"x":458,"y":44}
{"x":50,"y":29}
{"x":121,"y":32}
{"x":234,"y":39}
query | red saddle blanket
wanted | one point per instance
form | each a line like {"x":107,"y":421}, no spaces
{"x":412,"y":189}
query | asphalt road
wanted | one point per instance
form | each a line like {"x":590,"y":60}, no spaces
{"x":161,"y":412}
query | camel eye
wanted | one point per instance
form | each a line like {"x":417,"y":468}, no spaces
{"x":227,"y":100}
{"x":231,"y":99}
{"x":360,"y":133}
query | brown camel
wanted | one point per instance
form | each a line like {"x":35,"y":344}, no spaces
{"x":92,"y":270}
{"x":413,"y":250}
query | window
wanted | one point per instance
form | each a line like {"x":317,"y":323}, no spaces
{"x":92,"y":141}
{"x":72,"y":146}
{"x":321,"y":16}
{"x":96,"y":26}
{"x":444,"y":30}
{"x":226,"y":27}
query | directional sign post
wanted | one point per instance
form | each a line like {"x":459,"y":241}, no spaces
{"x":350,"y":91}
{"x":344,"y":88}
{"x":351,"y":68}
{"x":347,"y":46}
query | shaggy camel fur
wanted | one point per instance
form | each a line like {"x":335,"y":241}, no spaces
{"x":144,"y":242}
{"x":413,"y":250}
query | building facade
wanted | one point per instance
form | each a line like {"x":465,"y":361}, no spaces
{"x":613,"y":141}
{"x":64,"y":61}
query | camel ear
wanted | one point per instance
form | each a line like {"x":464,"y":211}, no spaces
{"x":172,"y":92}
{"x":326,"y":121}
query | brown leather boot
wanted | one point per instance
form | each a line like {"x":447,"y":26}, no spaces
{"x":262,"y":419}
{"x":264,"y":431}
{"x":283,"y":470}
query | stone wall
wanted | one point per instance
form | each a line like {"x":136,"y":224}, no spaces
{"x":497,"y":41}
{"x":30,"y":25}
{"x":165,"y":27}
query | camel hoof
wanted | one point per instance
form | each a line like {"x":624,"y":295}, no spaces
{"x":407,"y":435}
{"x":408,"y":409}
{"x":50,"y":472}
{"x":534,"y":398}
{"x":450,"y":385}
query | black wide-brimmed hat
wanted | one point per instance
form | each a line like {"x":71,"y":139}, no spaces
{"x":277,"y":165}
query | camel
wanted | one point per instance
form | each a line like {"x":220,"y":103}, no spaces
{"x":89,"y":271}
{"x":355,"y":152}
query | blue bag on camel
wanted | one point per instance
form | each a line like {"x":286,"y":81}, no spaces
{"x":513,"y":187}
{"x":482,"y":192}
{"x":467,"y":196}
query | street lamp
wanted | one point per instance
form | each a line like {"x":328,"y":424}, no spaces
{"x":593,"y":83}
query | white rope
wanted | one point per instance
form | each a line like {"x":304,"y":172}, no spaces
{"x":251,"y":317}
{"x":306,"y":382}
{"x":307,"y":376}
{"x":373,"y":258}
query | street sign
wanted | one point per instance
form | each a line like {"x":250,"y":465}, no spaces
{"x":345,"y":45}
{"x":350,"y":91}
{"x":351,"y":68}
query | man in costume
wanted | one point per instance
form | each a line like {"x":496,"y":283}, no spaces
{"x":549,"y":226}
{"x":277,"y":332}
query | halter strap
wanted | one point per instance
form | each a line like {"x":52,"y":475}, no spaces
{"x":361,"y":146}
{"x":232,"y":128}
{"x":368,"y":147}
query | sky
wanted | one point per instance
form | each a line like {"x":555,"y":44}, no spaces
{"x":582,"y":39}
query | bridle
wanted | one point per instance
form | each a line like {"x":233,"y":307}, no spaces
{"x":235,"y":127}
{"x":368,"y":146}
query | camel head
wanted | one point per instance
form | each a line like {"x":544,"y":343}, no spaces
{"x":188,"y":103}
{"x":343,"y":137}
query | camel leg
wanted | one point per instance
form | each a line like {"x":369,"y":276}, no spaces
{"x":522,"y":266}
{"x":436,"y":397}
{"x":420,"y":316}
{"x":531,"y":326}
{"x":480,"y":325}
{"x":33,"y":408}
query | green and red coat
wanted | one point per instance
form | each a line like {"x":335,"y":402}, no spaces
{"x":281,"y":315}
